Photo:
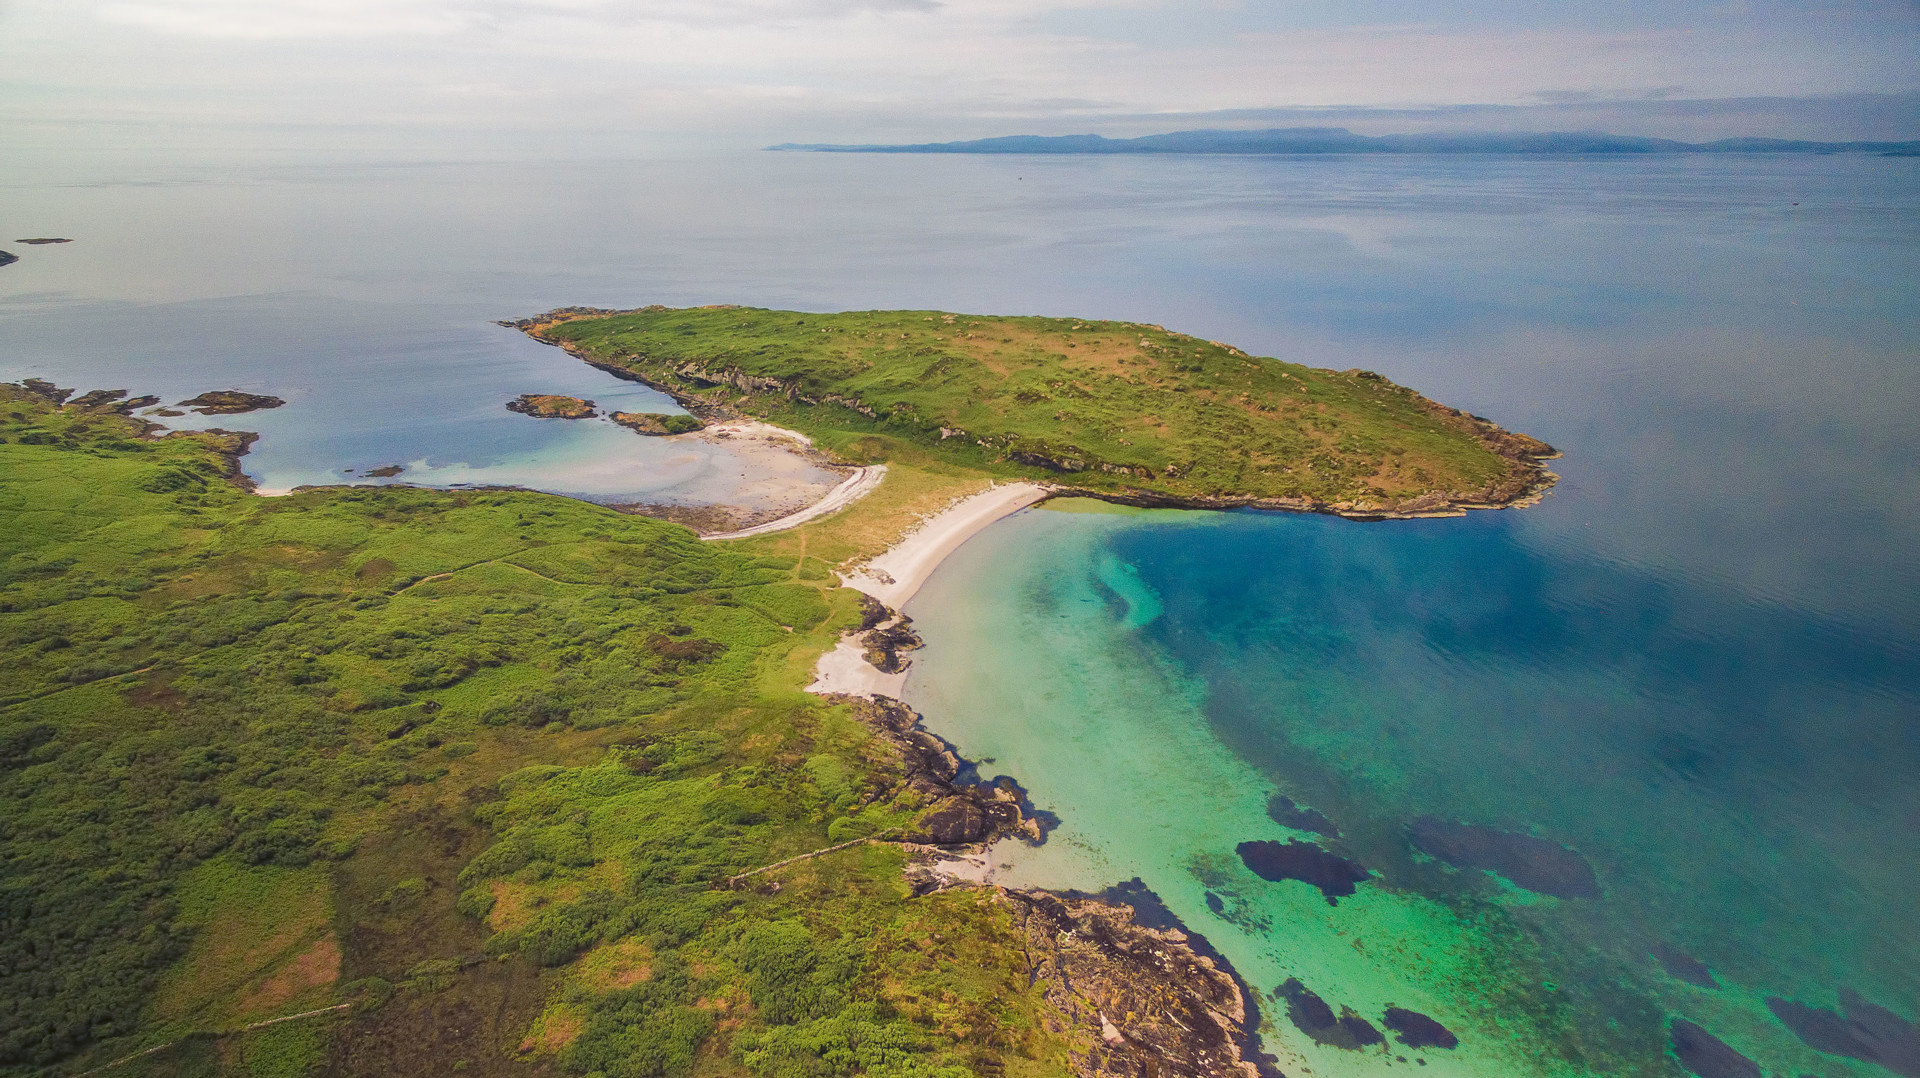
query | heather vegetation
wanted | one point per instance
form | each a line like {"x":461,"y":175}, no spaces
{"x":477,"y":764}
{"x":1114,"y":407}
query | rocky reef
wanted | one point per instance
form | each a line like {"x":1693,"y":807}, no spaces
{"x":7,"y":258}
{"x":38,"y":240}
{"x":230,"y":402}
{"x":1682,"y":966}
{"x":551,"y":406}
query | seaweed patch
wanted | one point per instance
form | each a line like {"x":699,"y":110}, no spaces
{"x":1536,"y":864}
{"x":1334,"y":875}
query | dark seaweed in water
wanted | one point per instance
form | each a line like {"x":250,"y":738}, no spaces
{"x":1537,"y":864}
{"x":1311,"y":1015}
{"x":1282,"y":810}
{"x":1682,"y":966}
{"x":1867,"y":1032}
{"x":1215,"y":904}
{"x":1707,"y":1055}
{"x":1416,"y":1030}
{"x":1275,"y":861}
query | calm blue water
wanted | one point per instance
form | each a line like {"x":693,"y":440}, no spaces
{"x":1694,"y":663}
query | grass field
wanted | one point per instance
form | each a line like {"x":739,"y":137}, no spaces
{"x":472,"y":762}
{"x":1113,"y":407}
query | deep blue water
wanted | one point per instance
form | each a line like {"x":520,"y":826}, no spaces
{"x":1694,"y":662}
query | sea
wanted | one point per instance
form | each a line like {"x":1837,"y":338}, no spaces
{"x":1623,"y":783}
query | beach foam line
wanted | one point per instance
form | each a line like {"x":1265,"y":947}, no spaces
{"x":851,"y":489}
{"x":894,"y":577}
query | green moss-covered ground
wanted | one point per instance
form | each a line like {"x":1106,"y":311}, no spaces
{"x":1109,"y":406}
{"x":472,"y":762}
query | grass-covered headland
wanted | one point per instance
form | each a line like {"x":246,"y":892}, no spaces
{"x":1125,"y":411}
{"x":476,"y":764}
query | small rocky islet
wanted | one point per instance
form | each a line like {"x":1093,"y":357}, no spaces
{"x":551,"y":406}
{"x":230,"y":402}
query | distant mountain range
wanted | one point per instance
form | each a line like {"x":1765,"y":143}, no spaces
{"x":1317,"y":140}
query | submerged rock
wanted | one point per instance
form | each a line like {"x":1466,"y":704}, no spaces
{"x":1682,"y":966}
{"x":38,"y":240}
{"x":1707,"y":1055}
{"x":1416,"y":1030}
{"x":551,"y":406}
{"x":1536,"y":864}
{"x":1282,"y":810}
{"x":1867,"y":1031}
{"x":230,"y":402}
{"x":1334,"y":875}
{"x":1311,"y":1015}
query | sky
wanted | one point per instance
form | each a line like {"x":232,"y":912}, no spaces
{"x":635,"y":74}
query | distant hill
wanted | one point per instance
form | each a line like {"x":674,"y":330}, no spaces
{"x":1321,"y":140}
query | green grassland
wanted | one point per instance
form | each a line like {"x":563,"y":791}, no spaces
{"x":474,"y":763}
{"x":1118,"y":408}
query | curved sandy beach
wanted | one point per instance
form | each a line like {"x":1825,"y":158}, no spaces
{"x":894,"y":577}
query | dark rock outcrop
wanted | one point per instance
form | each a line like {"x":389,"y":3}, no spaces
{"x":1537,"y":864}
{"x":655,"y":424}
{"x":883,"y":634}
{"x":8,"y":258}
{"x":962,"y":813}
{"x":1706,"y":1055}
{"x":1334,"y":875}
{"x":1146,"y":1004}
{"x":39,"y":240}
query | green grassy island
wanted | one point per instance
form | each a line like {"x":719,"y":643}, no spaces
{"x":391,"y":781}
{"x":1120,"y":410}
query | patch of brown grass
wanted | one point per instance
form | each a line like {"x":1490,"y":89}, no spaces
{"x":316,"y":967}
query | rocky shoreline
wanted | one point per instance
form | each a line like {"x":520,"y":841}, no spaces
{"x":1137,"y":992}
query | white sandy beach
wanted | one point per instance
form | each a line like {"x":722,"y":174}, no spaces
{"x":894,"y":577}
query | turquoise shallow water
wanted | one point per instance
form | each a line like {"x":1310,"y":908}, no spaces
{"x":1741,"y":777}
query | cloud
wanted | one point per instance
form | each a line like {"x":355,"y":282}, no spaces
{"x":288,"y":19}
{"x":738,"y":72}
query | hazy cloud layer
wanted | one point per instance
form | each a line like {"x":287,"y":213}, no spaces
{"x":738,"y":72}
